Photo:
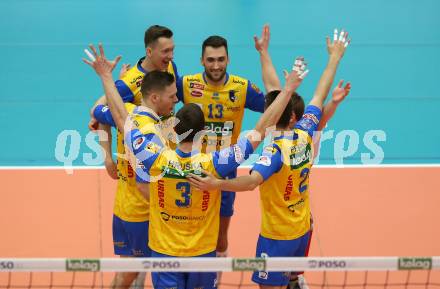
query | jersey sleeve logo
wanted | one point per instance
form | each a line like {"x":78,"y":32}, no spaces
{"x":238,"y":154}
{"x":255,"y":88}
{"x":312,"y":117}
{"x":137,"y":144}
{"x":152,"y":147}
{"x":270,"y":149}
{"x":264,"y":160}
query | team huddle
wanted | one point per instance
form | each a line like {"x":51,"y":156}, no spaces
{"x":177,"y":172}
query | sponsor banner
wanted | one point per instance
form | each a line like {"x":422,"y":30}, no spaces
{"x":415,"y":263}
{"x":83,"y":265}
{"x":249,"y":264}
{"x":7,"y":265}
{"x":161,"y":264}
{"x":328,"y":264}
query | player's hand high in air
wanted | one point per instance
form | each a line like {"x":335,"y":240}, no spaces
{"x":101,"y":65}
{"x":262,"y":44}
{"x":340,"y":92}
{"x":340,"y":43}
{"x":298,"y":73}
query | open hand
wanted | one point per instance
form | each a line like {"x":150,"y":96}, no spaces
{"x":298,"y":73}
{"x":340,"y":43}
{"x":101,"y":65}
{"x":262,"y":44}
{"x":207,"y":183}
{"x":339,"y":93}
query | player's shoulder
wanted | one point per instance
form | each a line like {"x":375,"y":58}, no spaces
{"x":130,"y":107}
{"x":238,"y":80}
{"x":134,"y":75}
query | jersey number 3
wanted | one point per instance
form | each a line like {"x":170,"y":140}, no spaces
{"x":185,"y":188}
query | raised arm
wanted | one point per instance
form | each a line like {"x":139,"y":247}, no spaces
{"x":273,"y":113}
{"x":270,"y":77}
{"x":338,"y":95}
{"x":336,"y":52}
{"x":103,"y":67}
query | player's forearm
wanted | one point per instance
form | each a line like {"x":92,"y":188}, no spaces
{"x":270,"y":77}
{"x":105,"y":141}
{"x":115,"y":103}
{"x":239,"y":184}
{"x":325,"y":82}
{"x":327,"y":113}
{"x":272,"y":114}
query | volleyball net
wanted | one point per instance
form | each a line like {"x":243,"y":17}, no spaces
{"x":322,"y":272}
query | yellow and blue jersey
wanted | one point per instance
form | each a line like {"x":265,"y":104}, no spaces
{"x":129,"y":86}
{"x":223,"y":106}
{"x":285,"y":166}
{"x":130,"y":205}
{"x":184,"y":221}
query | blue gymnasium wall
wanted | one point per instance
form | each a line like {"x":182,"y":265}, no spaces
{"x":393,"y":64}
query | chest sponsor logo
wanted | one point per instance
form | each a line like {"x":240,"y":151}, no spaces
{"x":196,"y":93}
{"x":196,"y":85}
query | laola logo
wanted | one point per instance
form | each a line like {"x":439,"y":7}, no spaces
{"x":415,"y":263}
{"x":257,"y":264}
{"x":220,"y":128}
{"x":92,"y":265}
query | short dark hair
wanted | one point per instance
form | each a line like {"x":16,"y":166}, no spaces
{"x":155,"y":32}
{"x":190,"y":116}
{"x":156,"y":81}
{"x":295,"y":105}
{"x":216,"y":42}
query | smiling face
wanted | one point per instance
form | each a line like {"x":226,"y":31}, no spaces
{"x":215,"y":60}
{"x":161,"y":52}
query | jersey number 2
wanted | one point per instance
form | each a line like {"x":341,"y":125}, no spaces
{"x":304,"y":175}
